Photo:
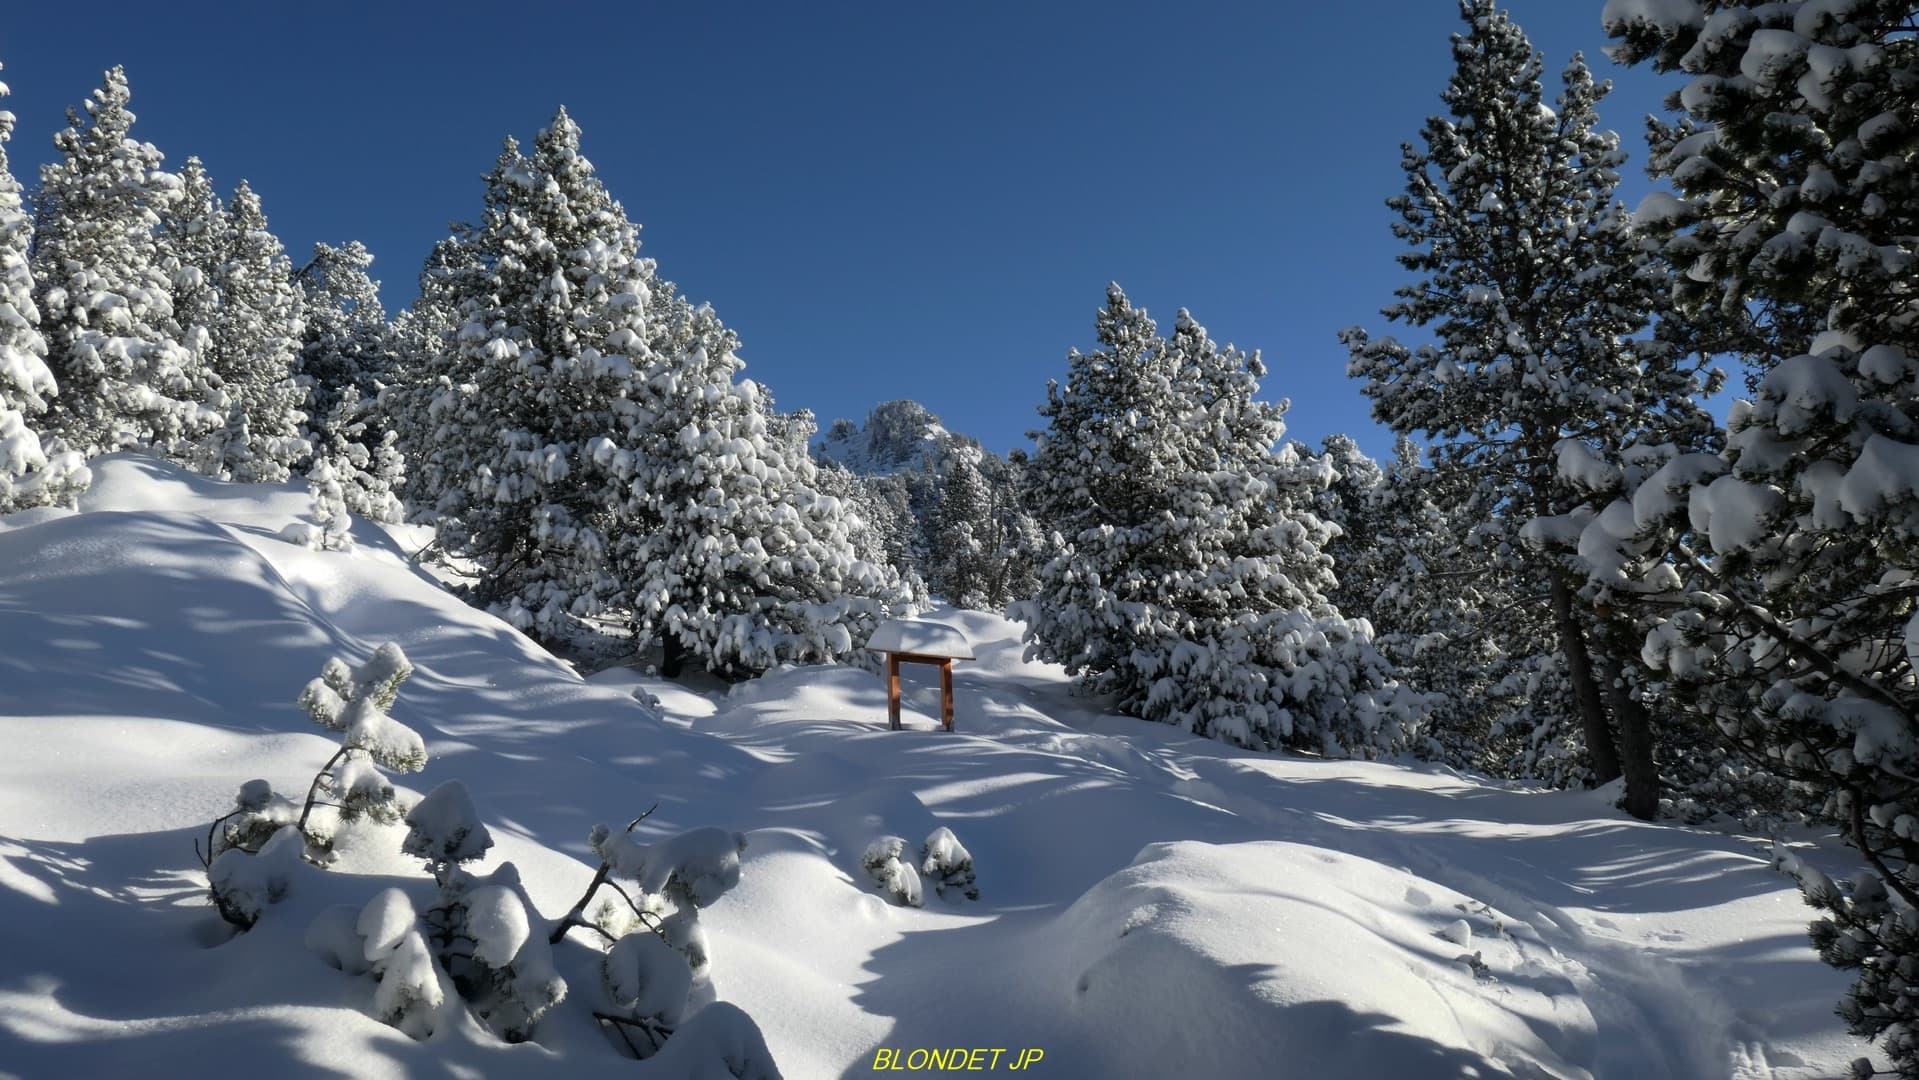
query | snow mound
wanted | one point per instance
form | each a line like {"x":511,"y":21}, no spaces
{"x":1217,"y":960}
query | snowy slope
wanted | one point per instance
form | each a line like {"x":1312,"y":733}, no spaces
{"x":1150,"y":904}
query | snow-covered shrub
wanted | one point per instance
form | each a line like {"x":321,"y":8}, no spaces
{"x":352,"y":701}
{"x":258,"y":812}
{"x":947,"y":864}
{"x":647,"y":982}
{"x":410,"y":994}
{"x":243,"y":883}
{"x":689,"y":870}
{"x":482,"y":930}
{"x":329,"y":525}
{"x":891,"y":874}
{"x":445,"y":829}
{"x":659,"y":961}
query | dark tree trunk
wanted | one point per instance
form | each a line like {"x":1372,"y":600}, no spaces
{"x":672,"y":654}
{"x":1635,"y":748}
{"x":1586,"y":693}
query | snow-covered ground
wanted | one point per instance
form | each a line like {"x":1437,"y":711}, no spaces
{"x":1150,"y":904}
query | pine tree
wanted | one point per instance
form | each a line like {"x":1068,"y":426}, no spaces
{"x":1187,"y":577}
{"x":426,"y":365}
{"x":548,"y":362}
{"x":125,"y":378}
{"x":966,"y":535}
{"x":1539,"y":299}
{"x":32,"y":472}
{"x":728,"y":552}
{"x":192,"y":236}
{"x":252,"y":344}
{"x":347,"y":360}
{"x":1790,"y":554}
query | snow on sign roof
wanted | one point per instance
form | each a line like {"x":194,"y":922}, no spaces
{"x":920,"y":636}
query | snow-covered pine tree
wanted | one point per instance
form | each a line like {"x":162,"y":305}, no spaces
{"x":966,"y":537}
{"x":33,"y":472}
{"x":424,"y":375}
{"x":345,"y":342}
{"x":727,"y":550}
{"x":882,"y":531}
{"x":106,"y":304}
{"x":1187,"y":578}
{"x":346,"y":361}
{"x":550,"y":359}
{"x":1793,"y":551}
{"x":1537,"y":293}
{"x":192,"y":235}
{"x":252,"y":344}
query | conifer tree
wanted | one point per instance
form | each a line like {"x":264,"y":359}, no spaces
{"x":346,"y":363}
{"x":252,"y":346}
{"x":193,"y":235}
{"x":424,"y":375}
{"x":1779,"y":570}
{"x":728,"y":552}
{"x":1535,"y":289}
{"x":1187,"y":577}
{"x":548,"y":360}
{"x":106,"y":304}
{"x":966,"y":534}
{"x":33,"y":472}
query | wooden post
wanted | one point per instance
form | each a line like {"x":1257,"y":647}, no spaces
{"x":946,"y":694}
{"x":893,"y":690}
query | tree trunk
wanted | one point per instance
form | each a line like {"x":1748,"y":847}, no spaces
{"x":672,"y":654}
{"x":1579,"y":668}
{"x":1635,"y":748}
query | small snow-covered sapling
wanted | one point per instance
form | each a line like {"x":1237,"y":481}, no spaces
{"x":648,"y":974}
{"x":891,"y":874}
{"x":354,"y":701}
{"x":410,"y":995}
{"x":483,"y":928}
{"x":947,"y":864}
{"x":445,"y":829}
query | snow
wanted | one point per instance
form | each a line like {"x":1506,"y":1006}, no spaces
{"x":497,"y":922}
{"x":446,"y":827}
{"x":1157,"y":903}
{"x":648,"y":977}
{"x":920,"y":636}
{"x":1666,"y":16}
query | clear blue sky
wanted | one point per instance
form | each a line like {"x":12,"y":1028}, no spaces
{"x":884,"y":199}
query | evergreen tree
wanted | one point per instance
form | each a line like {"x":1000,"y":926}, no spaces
{"x":549,"y":361}
{"x":125,"y":378}
{"x":193,"y":239}
{"x":1538,"y":296}
{"x":1187,"y":577}
{"x":32,"y":473}
{"x":728,"y":552}
{"x":1777,"y":574}
{"x":965,"y":537}
{"x":346,"y":362}
{"x":252,"y":345}
{"x":425,"y":370}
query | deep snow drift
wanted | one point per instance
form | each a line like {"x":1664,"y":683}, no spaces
{"x":1149,"y":904}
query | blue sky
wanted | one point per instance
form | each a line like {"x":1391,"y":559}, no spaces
{"x":884,"y":199}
